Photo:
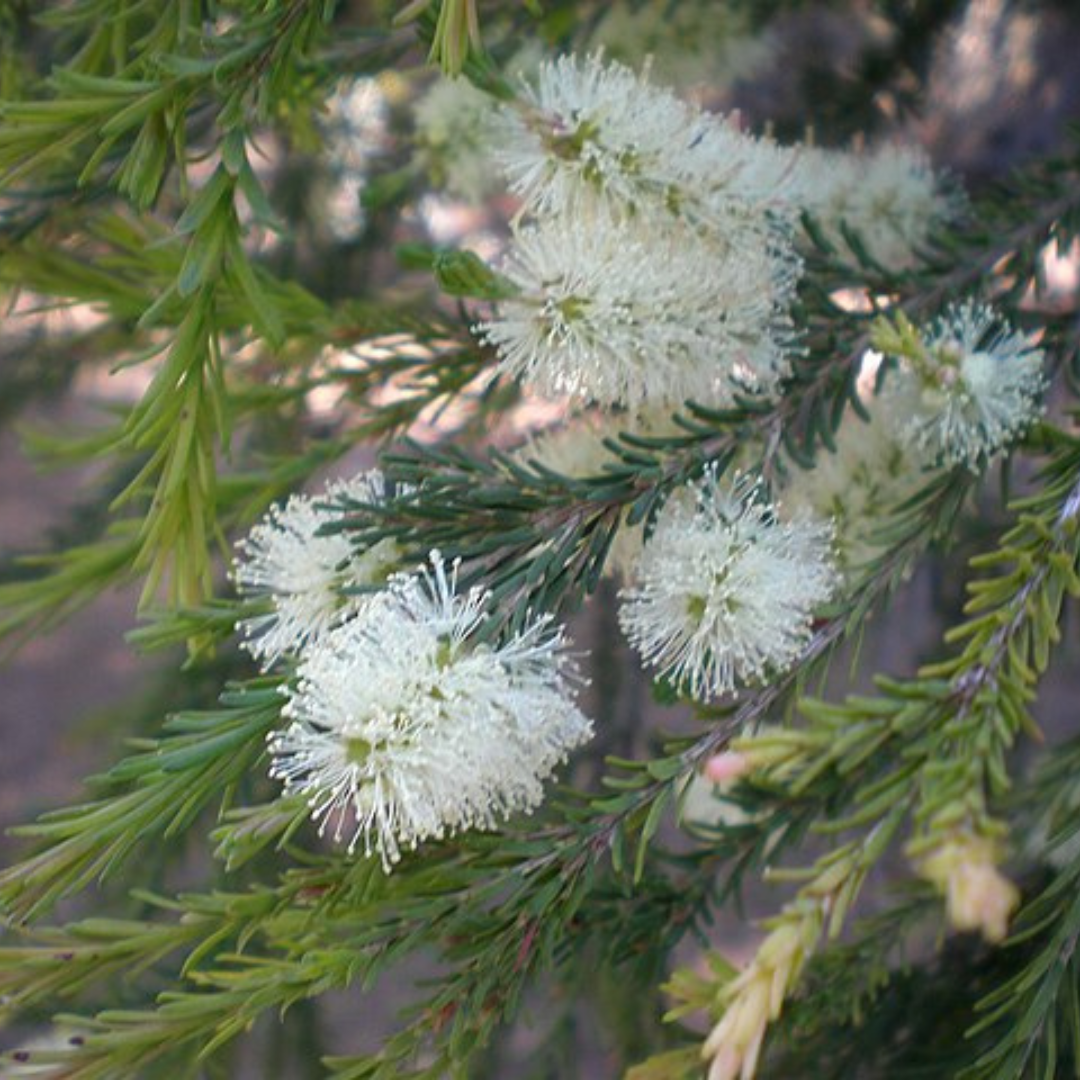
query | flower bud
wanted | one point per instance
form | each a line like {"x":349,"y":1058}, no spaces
{"x":977,"y":895}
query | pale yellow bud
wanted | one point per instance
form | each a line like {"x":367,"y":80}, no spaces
{"x":734,"y":1045}
{"x":977,"y":895}
{"x":726,"y":1064}
{"x":782,"y":947}
{"x":755,"y":1000}
{"x":980,"y":898}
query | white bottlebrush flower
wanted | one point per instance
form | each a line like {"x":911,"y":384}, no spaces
{"x":596,"y":132}
{"x":406,"y":727}
{"x":859,"y":485}
{"x":725,"y":592}
{"x":631,"y":311}
{"x":737,"y":175}
{"x":891,"y":198}
{"x":979,"y":384}
{"x":582,"y":444}
{"x":302,"y":574}
{"x":900,"y":203}
{"x":590,"y":127}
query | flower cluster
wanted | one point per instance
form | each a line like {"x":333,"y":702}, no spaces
{"x":655,"y":262}
{"x":725,"y":592}
{"x":890,"y":199}
{"x":593,"y":129}
{"x":410,"y":727}
{"x":755,"y":997}
{"x":961,"y":390}
{"x":977,"y":384}
{"x":977,"y":896}
{"x":301,"y":574}
{"x":405,"y":724}
{"x":858,"y":485}
{"x":637,"y":311}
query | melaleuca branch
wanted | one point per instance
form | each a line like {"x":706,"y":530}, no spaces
{"x":569,"y":857}
{"x":477,"y":497}
{"x":156,"y":793}
{"x":917,"y":733}
{"x":744,"y":381}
